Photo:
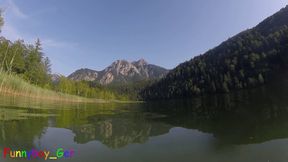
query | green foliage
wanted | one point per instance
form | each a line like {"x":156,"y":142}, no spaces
{"x":14,"y":85}
{"x":129,"y":90}
{"x":1,"y":20}
{"x":86,"y":89}
{"x":25,"y":61}
{"x":29,"y":63}
{"x":244,"y":61}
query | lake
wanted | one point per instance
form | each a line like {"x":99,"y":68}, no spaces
{"x":247,"y":126}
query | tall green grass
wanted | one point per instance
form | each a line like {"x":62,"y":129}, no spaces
{"x":14,"y":85}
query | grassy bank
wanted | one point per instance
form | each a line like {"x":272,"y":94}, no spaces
{"x":13,"y":85}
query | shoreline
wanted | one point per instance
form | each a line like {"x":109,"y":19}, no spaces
{"x":64,"y":98}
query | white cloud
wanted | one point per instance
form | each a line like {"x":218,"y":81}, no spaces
{"x":13,"y":33}
{"x":58,"y":44}
{"x":11,"y":6}
{"x":11,"y":11}
{"x":10,"y":32}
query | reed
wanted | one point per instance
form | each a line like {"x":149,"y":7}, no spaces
{"x":11,"y":84}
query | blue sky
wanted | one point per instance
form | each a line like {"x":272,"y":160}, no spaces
{"x":94,"y":33}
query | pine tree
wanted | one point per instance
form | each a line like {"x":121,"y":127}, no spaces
{"x":1,"y":20}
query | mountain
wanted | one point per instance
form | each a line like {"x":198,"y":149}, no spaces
{"x":55,"y":78}
{"x":246,"y":60}
{"x":84,"y":74}
{"x":121,"y":71}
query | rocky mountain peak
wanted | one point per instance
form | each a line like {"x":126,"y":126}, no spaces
{"x":119,"y":63}
{"x":140,"y":62}
{"x":121,"y":71}
{"x":84,"y":74}
{"x":56,"y":77}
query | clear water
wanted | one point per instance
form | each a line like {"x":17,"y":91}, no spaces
{"x":248,"y":126}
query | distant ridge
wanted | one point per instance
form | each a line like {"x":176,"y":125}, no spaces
{"x":246,"y":60}
{"x":121,"y":71}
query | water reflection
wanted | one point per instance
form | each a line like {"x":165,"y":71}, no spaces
{"x":212,"y":123}
{"x":119,"y":130}
{"x":240,"y":118}
{"x":21,"y":133}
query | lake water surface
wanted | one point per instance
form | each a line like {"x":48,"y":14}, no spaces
{"x":248,"y":126}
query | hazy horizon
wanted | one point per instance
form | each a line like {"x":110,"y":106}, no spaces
{"x":96,"y":33}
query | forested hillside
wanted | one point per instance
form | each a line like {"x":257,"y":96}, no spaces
{"x":244,"y":61}
{"x":22,"y":63}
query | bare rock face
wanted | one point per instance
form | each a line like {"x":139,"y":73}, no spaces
{"x":107,"y":78}
{"x":123,"y":67}
{"x":56,"y":77}
{"x":121,"y":71}
{"x":140,"y":62}
{"x":84,"y":74}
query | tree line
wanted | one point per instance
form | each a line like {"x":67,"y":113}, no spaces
{"x":247,"y":60}
{"x":28,"y":62}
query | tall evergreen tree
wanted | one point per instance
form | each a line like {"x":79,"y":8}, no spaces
{"x":1,"y":19}
{"x":247,"y":60}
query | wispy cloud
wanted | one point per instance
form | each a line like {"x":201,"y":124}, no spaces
{"x":58,"y":44}
{"x":11,"y":11}
{"x":11,"y":6}
{"x":12,"y":32}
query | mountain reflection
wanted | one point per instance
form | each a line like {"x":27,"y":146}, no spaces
{"x":119,"y":130}
{"x":244,"y":117}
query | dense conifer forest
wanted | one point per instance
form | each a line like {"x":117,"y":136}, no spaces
{"x":244,"y":61}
